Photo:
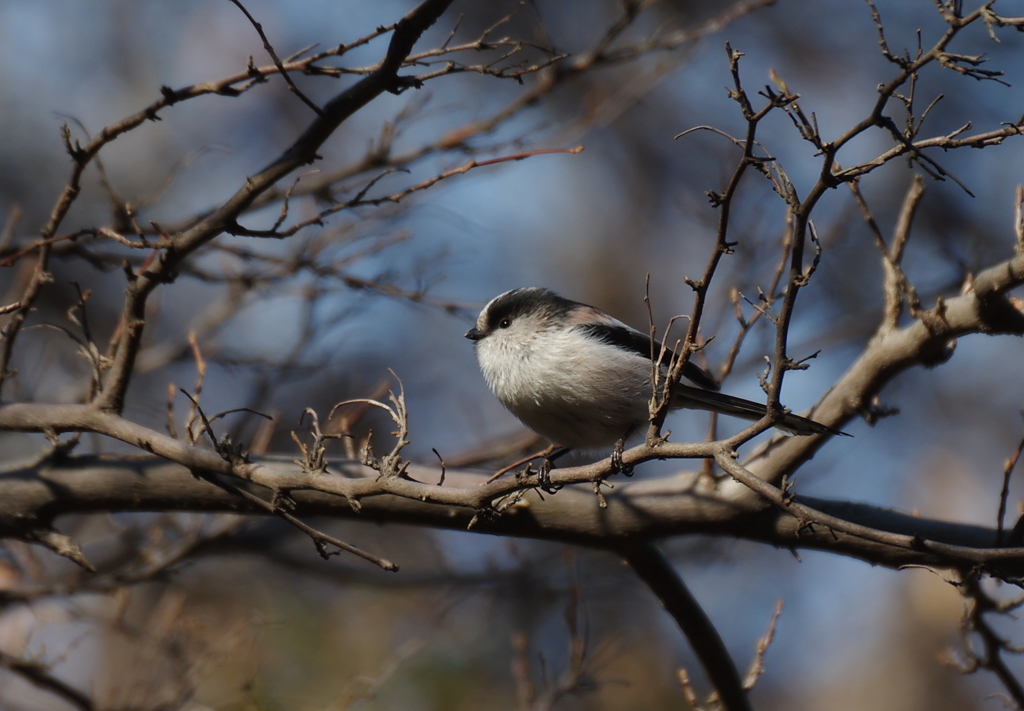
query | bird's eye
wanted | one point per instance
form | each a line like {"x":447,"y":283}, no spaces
{"x":504,"y":323}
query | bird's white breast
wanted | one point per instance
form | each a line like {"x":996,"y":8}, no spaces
{"x":573,"y":389}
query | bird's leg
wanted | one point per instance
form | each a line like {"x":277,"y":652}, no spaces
{"x":545,"y":475}
{"x":618,"y":466}
{"x":550,"y":454}
{"x":545,"y":470}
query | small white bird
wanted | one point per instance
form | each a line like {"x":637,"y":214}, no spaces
{"x":582,"y":379}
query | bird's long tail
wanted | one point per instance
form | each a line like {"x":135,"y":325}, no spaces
{"x":697,"y":399}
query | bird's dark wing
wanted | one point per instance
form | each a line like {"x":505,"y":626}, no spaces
{"x":630,"y":339}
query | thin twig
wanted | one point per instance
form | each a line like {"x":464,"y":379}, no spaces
{"x":277,"y":62}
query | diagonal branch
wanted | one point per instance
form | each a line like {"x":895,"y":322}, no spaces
{"x":928,"y":341}
{"x":652,"y":567}
{"x":39,"y":674}
{"x":303,"y":151}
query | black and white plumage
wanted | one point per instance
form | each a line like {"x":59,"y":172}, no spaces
{"x":582,"y":379}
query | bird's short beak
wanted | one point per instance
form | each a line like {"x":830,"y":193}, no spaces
{"x":474,"y":334}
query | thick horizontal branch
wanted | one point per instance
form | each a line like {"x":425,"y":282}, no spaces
{"x":35,"y":494}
